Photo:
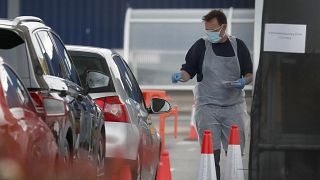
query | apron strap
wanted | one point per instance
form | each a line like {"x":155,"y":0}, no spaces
{"x":233,"y":42}
{"x":207,"y":42}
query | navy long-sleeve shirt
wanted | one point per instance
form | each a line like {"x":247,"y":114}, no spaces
{"x":195,"y":56}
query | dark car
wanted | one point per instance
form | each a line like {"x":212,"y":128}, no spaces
{"x":39,"y":57}
{"x":26,"y":140}
{"x":130,"y":134}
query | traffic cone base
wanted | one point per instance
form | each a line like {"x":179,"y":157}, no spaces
{"x":233,"y":166}
{"x":208,"y":167}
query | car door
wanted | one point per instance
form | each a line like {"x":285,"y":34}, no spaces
{"x":153,"y":136}
{"x":63,"y":127}
{"x":138,"y":106}
{"x":90,"y":118}
{"x":31,"y":132}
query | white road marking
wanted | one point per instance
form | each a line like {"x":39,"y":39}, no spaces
{"x":187,"y":142}
{"x":192,"y":149}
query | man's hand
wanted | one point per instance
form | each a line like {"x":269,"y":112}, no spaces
{"x":176,"y":77}
{"x":240,"y":83}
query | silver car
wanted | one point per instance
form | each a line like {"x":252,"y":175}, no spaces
{"x":130,"y":134}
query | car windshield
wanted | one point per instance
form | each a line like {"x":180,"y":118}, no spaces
{"x":91,"y":62}
{"x":13,"y":51}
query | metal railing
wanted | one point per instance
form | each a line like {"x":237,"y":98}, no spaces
{"x":157,"y":40}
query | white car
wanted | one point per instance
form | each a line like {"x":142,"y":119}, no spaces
{"x":129,"y":132}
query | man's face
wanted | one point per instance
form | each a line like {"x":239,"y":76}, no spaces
{"x":214,"y":26}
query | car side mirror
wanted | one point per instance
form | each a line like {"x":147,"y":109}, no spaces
{"x":54,"y":107}
{"x":159,"y":106}
{"x":96,"y":79}
{"x":55,"y":83}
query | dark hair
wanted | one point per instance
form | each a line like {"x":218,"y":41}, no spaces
{"x":218,"y":14}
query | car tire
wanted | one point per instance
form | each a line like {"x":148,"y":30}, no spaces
{"x":136,"y":169}
{"x":65,"y":160}
{"x":158,"y":163}
{"x":67,"y":153}
{"x":100,"y":155}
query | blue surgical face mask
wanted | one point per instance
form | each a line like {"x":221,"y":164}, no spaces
{"x":213,"y":37}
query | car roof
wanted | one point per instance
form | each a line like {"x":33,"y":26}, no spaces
{"x":7,"y":22}
{"x":30,"y":22}
{"x":102,"y":51}
{"x":1,"y":60}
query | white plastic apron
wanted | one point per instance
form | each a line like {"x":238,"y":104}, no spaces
{"x":219,"y":106}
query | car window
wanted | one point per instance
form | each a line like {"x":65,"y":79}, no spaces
{"x":14,"y":92}
{"x":44,"y":62}
{"x":124,"y":76}
{"x":50,"y":54}
{"x":14,"y":52}
{"x":131,"y":86}
{"x":137,"y":91}
{"x":87,"y":62}
{"x":72,"y":73}
{"x":40,"y":53}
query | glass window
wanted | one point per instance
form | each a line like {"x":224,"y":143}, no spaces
{"x":91,"y":62}
{"x":137,"y":91}
{"x":14,"y":92}
{"x":42,"y":61}
{"x":50,"y":54}
{"x":72,"y":73}
{"x":128,"y":78}
{"x":156,"y":57}
{"x":14,"y":52}
{"x":124,"y":76}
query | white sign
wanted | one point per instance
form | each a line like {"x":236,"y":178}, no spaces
{"x":289,"y":38}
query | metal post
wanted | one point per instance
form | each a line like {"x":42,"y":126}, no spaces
{"x":257,"y":37}
{"x":126,"y":37}
{"x":13,"y":8}
{"x":230,"y":14}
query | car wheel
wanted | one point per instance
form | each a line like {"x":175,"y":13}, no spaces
{"x":137,"y":168}
{"x":67,"y":155}
{"x":100,"y":156}
{"x":65,"y":161}
{"x":157,"y":166}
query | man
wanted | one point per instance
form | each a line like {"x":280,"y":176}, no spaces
{"x":223,"y":67}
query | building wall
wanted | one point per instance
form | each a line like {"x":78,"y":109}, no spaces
{"x":3,"y":8}
{"x":101,"y":22}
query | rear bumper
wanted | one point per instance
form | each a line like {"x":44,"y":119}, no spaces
{"x":122,"y":140}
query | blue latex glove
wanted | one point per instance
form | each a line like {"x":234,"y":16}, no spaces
{"x":176,"y":77}
{"x":240,"y":83}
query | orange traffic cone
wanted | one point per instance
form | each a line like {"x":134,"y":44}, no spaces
{"x":123,"y":174}
{"x":233,"y":166}
{"x":193,"y":135}
{"x":164,"y":172}
{"x":207,"y":170}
